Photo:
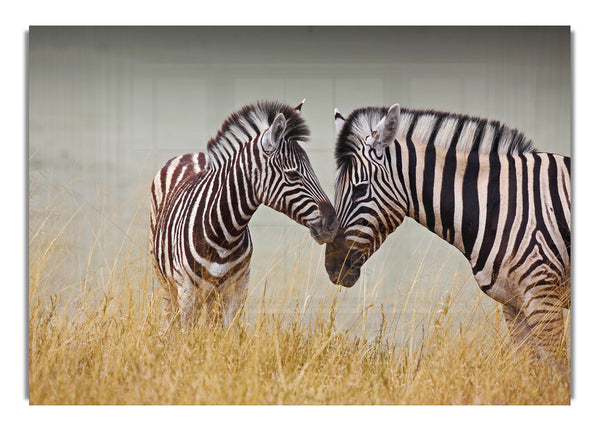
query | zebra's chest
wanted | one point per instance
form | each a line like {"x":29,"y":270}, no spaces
{"x":203,"y":244}
{"x":205,"y":259}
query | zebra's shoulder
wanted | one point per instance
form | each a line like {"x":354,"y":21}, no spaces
{"x":176,"y":171}
{"x":191,"y":163}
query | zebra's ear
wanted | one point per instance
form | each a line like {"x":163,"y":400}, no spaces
{"x":387,"y":129}
{"x":274,"y":135}
{"x":339,"y":120}
{"x":299,"y":107}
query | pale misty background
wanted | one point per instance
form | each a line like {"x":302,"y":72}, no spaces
{"x":109,"y":106}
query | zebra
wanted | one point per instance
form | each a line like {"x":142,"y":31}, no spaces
{"x":201,"y":205}
{"x":477,"y":184}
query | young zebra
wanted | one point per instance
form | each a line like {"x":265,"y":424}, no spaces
{"x":478,"y":185}
{"x":201,"y":206}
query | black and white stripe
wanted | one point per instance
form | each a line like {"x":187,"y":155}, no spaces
{"x":201,"y":206}
{"x":478,"y":185}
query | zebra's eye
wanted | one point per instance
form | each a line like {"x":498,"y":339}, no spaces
{"x":360,"y":191}
{"x":292,"y":175}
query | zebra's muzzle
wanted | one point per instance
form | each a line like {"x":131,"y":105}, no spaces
{"x":323,"y":230}
{"x":342,"y":263}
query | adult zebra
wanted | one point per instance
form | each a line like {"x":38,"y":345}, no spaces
{"x":478,"y":185}
{"x":201,"y":206}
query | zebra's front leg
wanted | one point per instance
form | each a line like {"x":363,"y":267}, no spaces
{"x":544,"y":313}
{"x":189,"y":301}
{"x":238,"y":292}
{"x":541,"y":329}
{"x":171,"y":305}
{"x":518,"y":328}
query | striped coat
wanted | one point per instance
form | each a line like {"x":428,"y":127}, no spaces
{"x":476,"y":184}
{"x":201,"y":205}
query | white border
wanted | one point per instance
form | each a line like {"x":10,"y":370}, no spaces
{"x":580,"y":15}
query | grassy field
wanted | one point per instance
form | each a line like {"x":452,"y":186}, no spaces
{"x":103,"y":341}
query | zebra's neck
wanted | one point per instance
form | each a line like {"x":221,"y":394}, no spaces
{"x":464,"y":132}
{"x":438,"y":188}
{"x":232,"y":199}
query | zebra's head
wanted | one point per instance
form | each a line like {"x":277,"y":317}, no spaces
{"x":285,"y":178}
{"x":366,"y":205}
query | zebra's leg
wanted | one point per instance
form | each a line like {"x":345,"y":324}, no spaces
{"x":210,"y":300}
{"x":171,"y":305}
{"x":518,"y":328}
{"x":189,"y":302}
{"x":236,"y":297}
{"x":539,"y":328}
{"x":544,"y":314}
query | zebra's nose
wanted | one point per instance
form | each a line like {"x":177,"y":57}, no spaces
{"x":338,"y":262}
{"x":325,"y":229}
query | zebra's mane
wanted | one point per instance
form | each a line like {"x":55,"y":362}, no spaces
{"x":468,"y":133}
{"x":249,"y":122}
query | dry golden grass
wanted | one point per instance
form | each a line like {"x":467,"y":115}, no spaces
{"x":103,"y":341}
{"x":111,"y":348}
